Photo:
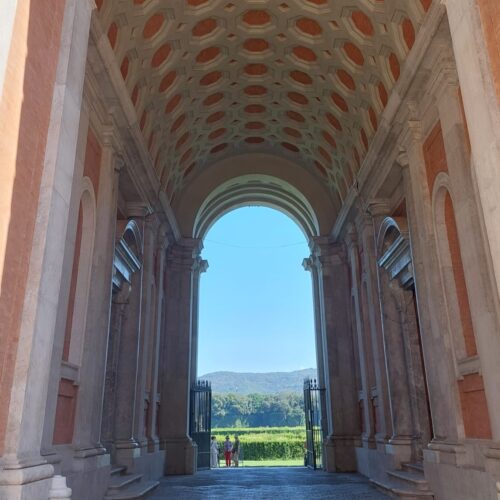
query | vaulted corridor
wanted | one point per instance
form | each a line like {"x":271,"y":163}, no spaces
{"x":129,"y":127}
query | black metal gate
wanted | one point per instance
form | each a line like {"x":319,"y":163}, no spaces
{"x":313,"y":395}
{"x":200,"y":422}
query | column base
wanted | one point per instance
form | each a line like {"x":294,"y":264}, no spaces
{"x":153,"y":445}
{"x":181,"y":456}
{"x":125,"y":452}
{"x":400,"y":448}
{"x":369,"y":441}
{"x":90,"y":452}
{"x":340,"y":453}
{"x":28,"y":481}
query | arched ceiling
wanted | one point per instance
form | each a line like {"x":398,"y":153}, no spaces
{"x":304,"y":79}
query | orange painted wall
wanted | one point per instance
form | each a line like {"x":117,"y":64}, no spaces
{"x":72,"y":290}
{"x":474,"y":407}
{"x":65,"y":412}
{"x":458,"y":272}
{"x":434,"y":155}
{"x":490,"y":17}
{"x":24,"y":120}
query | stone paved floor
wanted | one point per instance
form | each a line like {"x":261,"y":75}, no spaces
{"x":263,"y":483}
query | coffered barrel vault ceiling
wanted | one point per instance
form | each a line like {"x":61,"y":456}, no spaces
{"x":306,"y":79}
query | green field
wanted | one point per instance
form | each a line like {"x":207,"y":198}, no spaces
{"x":267,"y":446}
{"x":292,"y":462}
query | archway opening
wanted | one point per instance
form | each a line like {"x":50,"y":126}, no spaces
{"x":256,"y":341}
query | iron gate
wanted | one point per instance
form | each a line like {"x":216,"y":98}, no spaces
{"x":313,"y":395}
{"x":200,"y":421}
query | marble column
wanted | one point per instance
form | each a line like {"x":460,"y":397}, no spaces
{"x":23,"y":471}
{"x":200,"y":267}
{"x":146,"y":327}
{"x":154,"y":352}
{"x":367,"y":228}
{"x":126,"y":447}
{"x":363,"y":336}
{"x":338,"y":355}
{"x":312,"y":265}
{"x":436,"y":341}
{"x":392,"y":303}
{"x":176,"y":357}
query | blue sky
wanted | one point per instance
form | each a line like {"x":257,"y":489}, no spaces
{"x":256,"y":311}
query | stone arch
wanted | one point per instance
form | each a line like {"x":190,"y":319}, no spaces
{"x":256,"y":179}
{"x":261,"y":190}
{"x":131,"y":234}
{"x":390,"y":230}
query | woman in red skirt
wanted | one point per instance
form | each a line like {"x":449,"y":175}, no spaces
{"x":228,"y":446}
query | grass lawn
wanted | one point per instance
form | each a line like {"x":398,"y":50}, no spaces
{"x":273,"y":463}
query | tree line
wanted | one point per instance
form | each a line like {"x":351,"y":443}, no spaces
{"x":257,"y":410}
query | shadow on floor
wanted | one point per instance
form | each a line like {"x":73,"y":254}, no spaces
{"x":263,"y":483}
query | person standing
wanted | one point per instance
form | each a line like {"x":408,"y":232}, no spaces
{"x":236,"y":451}
{"x":214,"y":452}
{"x":228,"y":447}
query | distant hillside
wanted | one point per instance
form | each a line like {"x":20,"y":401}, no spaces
{"x":262,"y":383}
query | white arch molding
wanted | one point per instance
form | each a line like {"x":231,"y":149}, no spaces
{"x":440,"y":190}
{"x":78,"y":325}
{"x":256,"y":190}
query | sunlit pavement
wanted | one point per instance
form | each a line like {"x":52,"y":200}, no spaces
{"x":267,"y":483}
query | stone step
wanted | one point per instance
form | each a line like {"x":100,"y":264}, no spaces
{"x":395,"y":490}
{"x":414,"y":467}
{"x":117,"y":469}
{"x":412,"y":479}
{"x":135,"y":491}
{"x":119,"y":482}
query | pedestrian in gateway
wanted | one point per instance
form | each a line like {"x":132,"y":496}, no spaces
{"x":228,"y":448}
{"x":214,"y":452}
{"x":236,"y":451}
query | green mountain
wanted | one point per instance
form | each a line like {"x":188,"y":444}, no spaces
{"x":261,"y":383}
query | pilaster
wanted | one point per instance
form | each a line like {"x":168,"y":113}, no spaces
{"x":478,"y":274}
{"x":146,"y":326}
{"x":126,"y":440}
{"x":23,"y":471}
{"x":436,"y":344}
{"x":92,"y":372}
{"x":200,"y":267}
{"x":367,"y":377}
{"x":366,"y":226}
{"x":182,"y":260}
{"x":338,"y":355}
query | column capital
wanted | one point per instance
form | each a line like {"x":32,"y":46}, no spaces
{"x":378,"y":207}
{"x":402,"y":158}
{"x":162,"y":241}
{"x":200,"y":265}
{"x":139,"y":209}
{"x":309,"y":263}
{"x":185,"y":253}
{"x":326,"y":252}
{"x":119,"y":163}
{"x":351,"y":238}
